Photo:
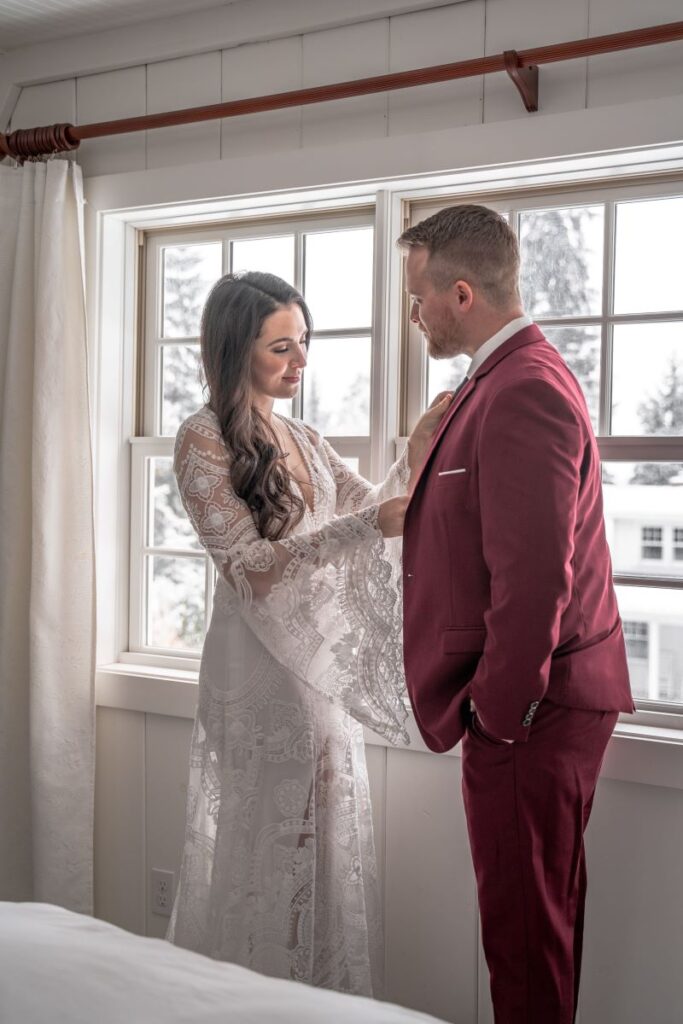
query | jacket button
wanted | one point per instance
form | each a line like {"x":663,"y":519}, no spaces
{"x":409,"y":575}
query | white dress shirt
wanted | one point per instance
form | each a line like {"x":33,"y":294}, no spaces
{"x":490,"y":346}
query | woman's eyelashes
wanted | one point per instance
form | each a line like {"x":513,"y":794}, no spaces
{"x":280,"y":351}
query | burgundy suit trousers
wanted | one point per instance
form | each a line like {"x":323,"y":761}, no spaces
{"x":527,"y":806}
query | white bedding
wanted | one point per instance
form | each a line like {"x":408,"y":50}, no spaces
{"x":59,"y":967}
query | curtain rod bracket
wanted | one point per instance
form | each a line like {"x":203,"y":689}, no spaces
{"x":524,"y":78}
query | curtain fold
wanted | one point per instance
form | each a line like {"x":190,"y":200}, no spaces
{"x":47,"y":550}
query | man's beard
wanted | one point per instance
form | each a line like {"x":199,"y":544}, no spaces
{"x":444,"y":341}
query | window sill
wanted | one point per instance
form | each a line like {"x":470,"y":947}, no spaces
{"x":647,"y":754}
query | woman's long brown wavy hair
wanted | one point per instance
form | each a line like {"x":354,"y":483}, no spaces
{"x":232,"y":320}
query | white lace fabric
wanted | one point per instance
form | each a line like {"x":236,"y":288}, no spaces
{"x":304,"y":644}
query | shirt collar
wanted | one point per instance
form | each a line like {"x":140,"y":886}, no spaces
{"x":490,"y":346}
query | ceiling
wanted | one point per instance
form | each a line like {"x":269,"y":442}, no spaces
{"x":25,"y":22}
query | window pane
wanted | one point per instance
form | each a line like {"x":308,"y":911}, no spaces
{"x":338,"y":278}
{"x":653,"y":627}
{"x":189,"y":271}
{"x":175,"y":602}
{"x":643,"y":506}
{"x":181,"y":387}
{"x":648,"y":264}
{"x":562,"y":261}
{"x":445,"y":375}
{"x":580,"y":348}
{"x":169,"y":526}
{"x":269,"y":255}
{"x":647,"y":379}
{"x":337,"y":386}
{"x":352,"y":462}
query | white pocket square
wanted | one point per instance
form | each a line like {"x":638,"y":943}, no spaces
{"x":451,"y":472}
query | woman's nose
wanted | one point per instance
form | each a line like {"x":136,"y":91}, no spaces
{"x":415,"y":313}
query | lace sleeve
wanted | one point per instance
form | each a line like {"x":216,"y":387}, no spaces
{"x":294,"y":593}
{"x":354,"y":492}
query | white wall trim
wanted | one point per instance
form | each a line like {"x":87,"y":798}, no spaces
{"x":596,"y":142}
{"x":648,"y":755}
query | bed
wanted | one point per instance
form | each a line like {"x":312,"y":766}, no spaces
{"x":66,"y":968}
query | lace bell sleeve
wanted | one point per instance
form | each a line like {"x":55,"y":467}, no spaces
{"x":354,"y":492}
{"x":294,"y":593}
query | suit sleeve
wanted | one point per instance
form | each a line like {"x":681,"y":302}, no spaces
{"x":530,"y":451}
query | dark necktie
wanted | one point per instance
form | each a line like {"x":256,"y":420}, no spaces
{"x":460,"y":386}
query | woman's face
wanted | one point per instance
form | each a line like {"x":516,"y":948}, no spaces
{"x":279,"y":354}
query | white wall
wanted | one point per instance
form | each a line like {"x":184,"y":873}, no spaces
{"x":263,"y":46}
{"x":632,"y":971}
{"x":634,"y":923}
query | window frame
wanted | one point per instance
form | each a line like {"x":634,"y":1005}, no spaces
{"x":120,"y":208}
{"x":148,"y":444}
{"x":613,"y":448}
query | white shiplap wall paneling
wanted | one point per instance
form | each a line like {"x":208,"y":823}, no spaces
{"x":26,"y":22}
{"x":431,"y":912}
{"x":339,"y":55}
{"x":174,"y":85}
{"x":168,"y":758}
{"x":47,"y":104}
{"x":646,"y":73}
{"x":634,"y":920}
{"x":258,"y":70}
{"x":107,"y":97}
{"x":527,"y":23}
{"x":120,"y":818}
{"x":440,"y":36}
{"x":485,"y":1006}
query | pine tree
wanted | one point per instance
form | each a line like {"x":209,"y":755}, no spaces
{"x":313,"y":411}
{"x":356,"y":402}
{"x":185,"y":288}
{"x":555,"y":281}
{"x":662,"y":415}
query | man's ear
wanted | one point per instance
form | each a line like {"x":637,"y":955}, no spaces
{"x":463,"y":295}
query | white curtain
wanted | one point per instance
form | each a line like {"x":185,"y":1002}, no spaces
{"x":47,"y":570}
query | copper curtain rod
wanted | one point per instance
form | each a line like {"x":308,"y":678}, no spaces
{"x":521,"y":66}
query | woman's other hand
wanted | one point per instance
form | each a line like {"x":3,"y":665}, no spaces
{"x":392,"y":512}
{"x":425,"y":428}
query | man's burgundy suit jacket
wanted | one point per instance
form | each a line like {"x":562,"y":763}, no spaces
{"x":507,"y":578}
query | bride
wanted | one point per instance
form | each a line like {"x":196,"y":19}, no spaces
{"x":278,"y":871}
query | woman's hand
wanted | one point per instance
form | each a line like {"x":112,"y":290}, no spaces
{"x":392,"y":513}
{"x":425,"y":428}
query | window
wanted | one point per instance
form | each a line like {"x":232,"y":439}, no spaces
{"x":637,"y":639}
{"x":617,"y":318}
{"x":651,"y":542}
{"x":330,"y":259}
{"x":678,"y":544}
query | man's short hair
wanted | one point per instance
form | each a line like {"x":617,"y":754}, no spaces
{"x":473,"y":243}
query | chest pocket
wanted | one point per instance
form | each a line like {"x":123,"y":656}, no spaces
{"x":452,"y":487}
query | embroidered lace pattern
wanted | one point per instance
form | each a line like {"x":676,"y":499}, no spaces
{"x":279,"y":871}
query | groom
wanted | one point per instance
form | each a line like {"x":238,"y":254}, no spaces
{"x":512,"y":635}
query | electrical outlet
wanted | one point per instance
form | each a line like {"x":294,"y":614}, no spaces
{"x":161,"y":889}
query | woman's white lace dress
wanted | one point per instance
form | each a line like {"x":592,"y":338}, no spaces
{"x":279,"y":871}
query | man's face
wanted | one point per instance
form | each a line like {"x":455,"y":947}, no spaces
{"x":434,"y":312}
